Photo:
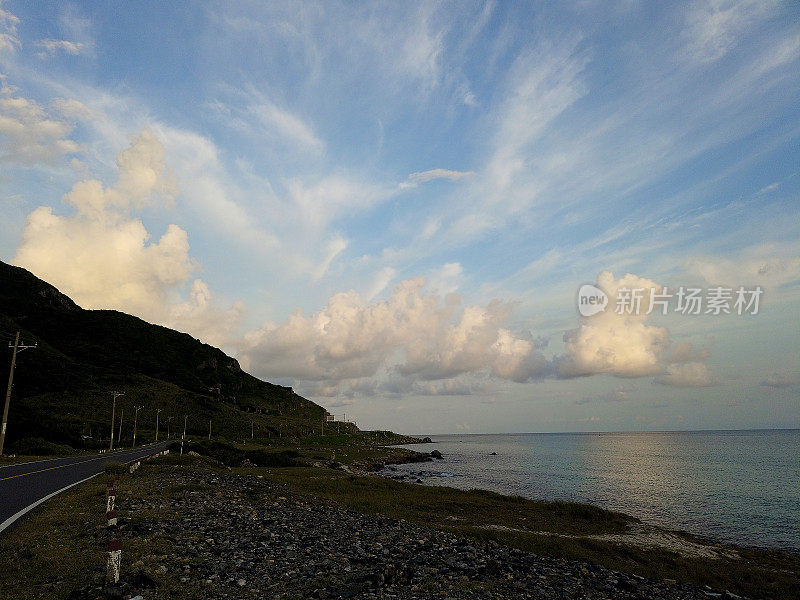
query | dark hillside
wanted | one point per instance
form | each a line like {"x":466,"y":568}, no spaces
{"x":61,"y":389}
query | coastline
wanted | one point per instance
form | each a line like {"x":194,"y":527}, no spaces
{"x":715,"y":507}
{"x":192,"y":527}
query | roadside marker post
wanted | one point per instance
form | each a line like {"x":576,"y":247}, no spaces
{"x":111,"y":514}
{"x":114,"y":560}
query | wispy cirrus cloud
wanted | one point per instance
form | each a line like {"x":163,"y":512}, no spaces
{"x":415,"y":179}
{"x":50,"y":47}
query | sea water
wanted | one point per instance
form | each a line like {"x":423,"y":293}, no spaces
{"x":729,"y":486}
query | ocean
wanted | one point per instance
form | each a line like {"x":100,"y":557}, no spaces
{"x":741,"y":487}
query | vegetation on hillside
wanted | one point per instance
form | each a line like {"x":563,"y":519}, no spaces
{"x":62,"y":389}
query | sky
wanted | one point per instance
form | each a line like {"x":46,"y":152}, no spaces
{"x":391,"y":207}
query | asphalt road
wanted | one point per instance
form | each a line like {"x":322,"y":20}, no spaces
{"x":26,"y":485}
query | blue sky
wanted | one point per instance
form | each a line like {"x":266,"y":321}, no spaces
{"x":391,"y":206}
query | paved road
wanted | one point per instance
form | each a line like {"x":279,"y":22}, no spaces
{"x":24,"y":486}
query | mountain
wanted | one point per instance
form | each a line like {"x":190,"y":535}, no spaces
{"x":62,"y":389}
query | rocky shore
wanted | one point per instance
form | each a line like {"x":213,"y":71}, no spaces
{"x":239,"y":536}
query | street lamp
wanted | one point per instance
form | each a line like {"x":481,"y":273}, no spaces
{"x":113,"y":410}
{"x":135,"y":420}
{"x":158,"y":410}
{"x":183,"y":437}
{"x":121,"y":416}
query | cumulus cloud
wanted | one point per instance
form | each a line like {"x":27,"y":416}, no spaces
{"x":418,"y":335}
{"x":29,"y":135}
{"x":104,"y":258}
{"x":415,"y":179}
{"x":624,"y":344}
{"x":690,"y":374}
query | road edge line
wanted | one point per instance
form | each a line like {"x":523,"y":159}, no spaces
{"x":10,"y":520}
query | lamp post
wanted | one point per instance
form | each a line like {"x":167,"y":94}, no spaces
{"x":121,"y":416}
{"x":158,"y":410}
{"x":113,"y":410}
{"x":169,"y":420}
{"x":135,"y":420}
{"x":183,"y":437}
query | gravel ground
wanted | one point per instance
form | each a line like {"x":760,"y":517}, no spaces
{"x":241,"y":537}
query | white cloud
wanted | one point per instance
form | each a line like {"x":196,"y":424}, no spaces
{"x":335,"y":246}
{"x":446,"y":279}
{"x":382,"y":279}
{"x":455,"y":386}
{"x":542,"y":86}
{"x":624,"y":345}
{"x":28,"y":135}
{"x":51,"y":46}
{"x":286,"y":124}
{"x":713,"y":27}
{"x":104,"y":258}
{"x":332,"y":197}
{"x":418,"y":335}
{"x":74,"y":109}
{"x":212,"y":190}
{"x":690,"y":374}
{"x":9,"y":41}
{"x":767,"y":266}
{"x":620,"y":345}
{"x":414,"y":179}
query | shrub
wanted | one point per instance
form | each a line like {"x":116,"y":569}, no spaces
{"x":227,"y":454}
{"x":114,"y":467}
{"x":261,"y":458}
{"x":40,"y":447}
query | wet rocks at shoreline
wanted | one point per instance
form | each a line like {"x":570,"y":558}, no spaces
{"x":242,"y":537}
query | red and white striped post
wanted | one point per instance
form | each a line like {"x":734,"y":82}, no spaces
{"x":114,"y":560}
{"x":111,"y":514}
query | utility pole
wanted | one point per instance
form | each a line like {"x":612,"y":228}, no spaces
{"x":183,"y":437}
{"x":158,"y":410}
{"x":113,"y":410}
{"x":135,"y":420}
{"x":209,"y":429}
{"x":252,"y":430}
{"x":121,"y":415}
{"x":17,"y":349}
{"x":169,"y":420}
